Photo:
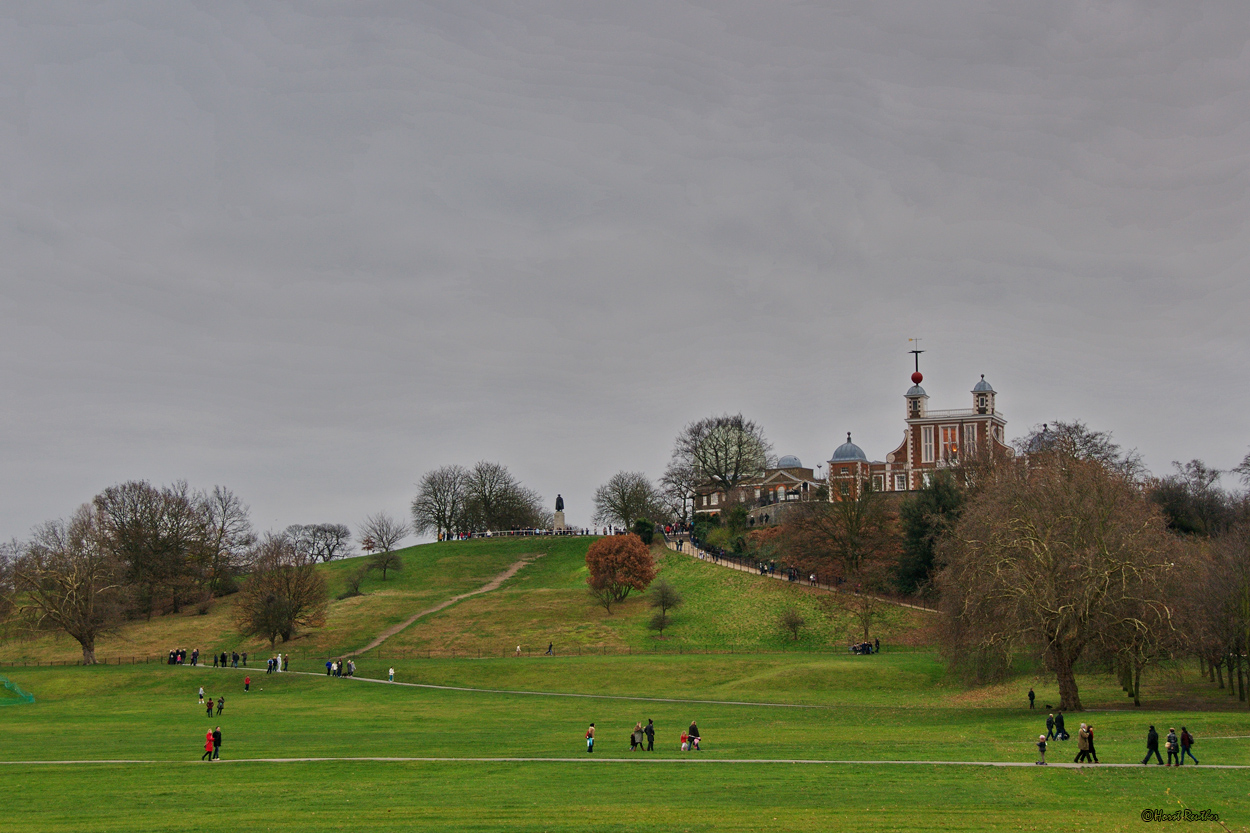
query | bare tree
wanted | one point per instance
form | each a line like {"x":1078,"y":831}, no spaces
{"x":384,"y":530}
{"x":625,"y":498}
{"x":226,"y":538}
{"x":284,"y":593}
{"x":8,"y":561}
{"x":440,"y":501}
{"x":386,"y":560}
{"x":724,"y":450}
{"x":156,"y":534}
{"x":495,"y":500}
{"x":1075,"y":441}
{"x":69,"y":581}
{"x":662,"y":597}
{"x":1056,"y":552}
{"x":677,"y":486}
{"x":791,"y":620}
{"x":321,"y":542}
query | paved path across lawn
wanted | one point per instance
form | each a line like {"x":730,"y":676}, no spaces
{"x":688,"y":758}
{"x":493,"y":584}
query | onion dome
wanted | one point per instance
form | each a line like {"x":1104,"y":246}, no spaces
{"x":983,"y":386}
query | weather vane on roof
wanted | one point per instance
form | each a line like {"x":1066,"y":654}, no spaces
{"x":916,"y":378}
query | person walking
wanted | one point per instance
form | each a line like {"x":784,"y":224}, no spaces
{"x":286,"y":663}
{"x":1060,"y":732}
{"x":279,"y":666}
{"x":1187,"y":742}
{"x":550,"y":645}
{"x":590,"y":738}
{"x":221,"y":704}
{"x":208,"y":746}
{"x":1050,"y":726}
{"x":201,"y":695}
{"x":1093,"y":753}
{"x":650,"y":733}
{"x":1041,"y":750}
{"x":1173,"y":746}
{"x":217,"y":744}
{"x":329,"y":667}
{"x":1032,"y":697}
{"x":247,"y":682}
{"x":390,"y":676}
{"x":694,"y":736}
{"x":208,"y":707}
{"x":1152,"y":746}
{"x":635,"y":737}
{"x":1082,"y":745}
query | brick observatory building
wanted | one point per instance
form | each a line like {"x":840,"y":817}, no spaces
{"x":932,"y":440}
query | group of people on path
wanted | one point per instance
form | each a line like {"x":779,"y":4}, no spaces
{"x":347,"y":668}
{"x":223,"y":661}
{"x":642,"y":738}
{"x":277,"y":664}
{"x":1177,"y":746}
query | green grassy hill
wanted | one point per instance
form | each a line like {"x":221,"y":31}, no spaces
{"x":545,"y":602}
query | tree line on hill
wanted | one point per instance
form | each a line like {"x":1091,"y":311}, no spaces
{"x":454,"y":500}
{"x":136,"y":551}
{"x":1067,"y":551}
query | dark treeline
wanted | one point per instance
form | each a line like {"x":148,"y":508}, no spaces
{"x":136,"y":551}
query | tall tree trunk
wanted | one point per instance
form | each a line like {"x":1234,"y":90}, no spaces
{"x":1241,"y":683}
{"x":1219,"y":672}
{"x":1211,"y":671}
{"x":88,"y":651}
{"x":1137,"y":687}
{"x":1069,"y":698}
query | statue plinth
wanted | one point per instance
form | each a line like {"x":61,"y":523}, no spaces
{"x":558,"y":523}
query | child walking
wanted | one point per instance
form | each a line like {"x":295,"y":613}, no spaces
{"x":590,"y":738}
{"x":1041,"y":750}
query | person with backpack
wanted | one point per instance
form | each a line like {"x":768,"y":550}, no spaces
{"x":590,"y":738}
{"x":1187,"y":742}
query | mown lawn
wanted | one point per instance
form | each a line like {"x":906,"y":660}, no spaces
{"x":883,"y":708}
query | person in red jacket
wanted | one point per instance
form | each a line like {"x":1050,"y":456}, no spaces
{"x":208,"y":746}
{"x":247,"y":682}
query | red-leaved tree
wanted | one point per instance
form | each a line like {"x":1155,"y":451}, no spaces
{"x":618,"y":564}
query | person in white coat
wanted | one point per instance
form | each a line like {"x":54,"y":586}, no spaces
{"x":279,"y":668}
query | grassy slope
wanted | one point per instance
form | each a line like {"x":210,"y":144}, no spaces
{"x":546,"y":602}
{"x":889,"y":707}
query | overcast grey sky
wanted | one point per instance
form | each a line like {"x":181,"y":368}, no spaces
{"x":310,"y":251}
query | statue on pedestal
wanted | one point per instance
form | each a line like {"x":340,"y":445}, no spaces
{"x":558,"y":521}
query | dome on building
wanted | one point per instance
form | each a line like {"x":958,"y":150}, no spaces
{"x":789,"y":462}
{"x":848,"y":452}
{"x":916,"y":390}
{"x":983,"y":386}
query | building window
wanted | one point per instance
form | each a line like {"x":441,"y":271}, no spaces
{"x":926,"y":444}
{"x":716,"y":499}
{"x":970,"y":437}
{"x":900,"y":482}
{"x":950,"y":442}
{"x":757,"y":494}
{"x":705,"y":500}
{"x":845,"y":488}
{"x":781,"y":493}
{"x":878,"y":482}
{"x":845,"y":470}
